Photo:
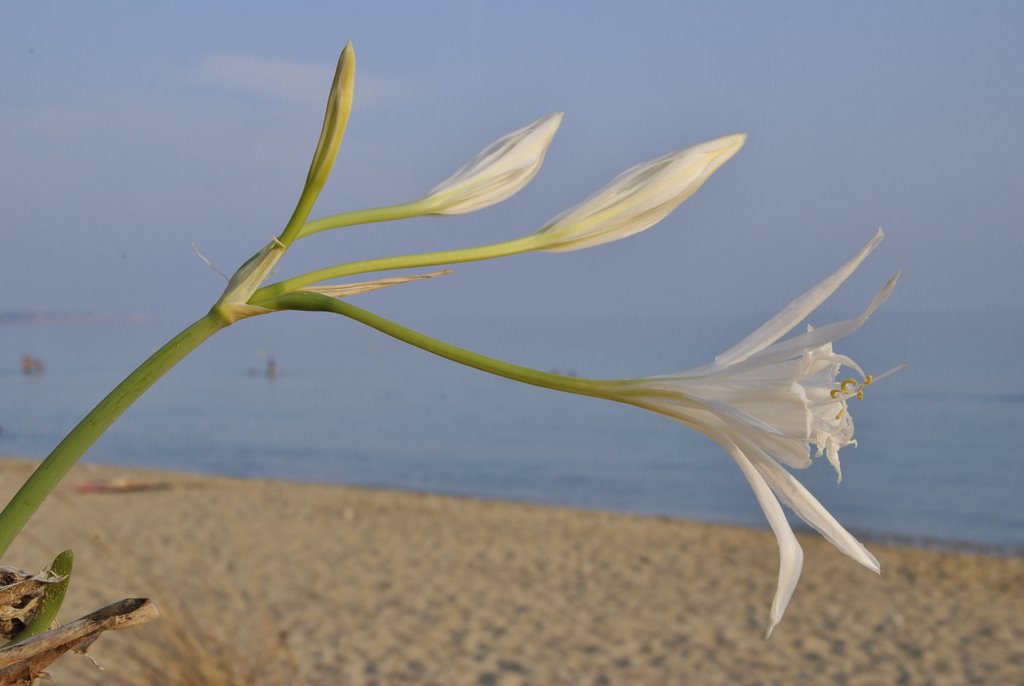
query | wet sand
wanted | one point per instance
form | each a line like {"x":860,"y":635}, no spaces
{"x":267,"y":582}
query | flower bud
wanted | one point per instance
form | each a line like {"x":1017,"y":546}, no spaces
{"x":638,"y":198}
{"x":339,"y":106}
{"x":499,"y":171}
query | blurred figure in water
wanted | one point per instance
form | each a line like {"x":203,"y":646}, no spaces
{"x":31,"y":366}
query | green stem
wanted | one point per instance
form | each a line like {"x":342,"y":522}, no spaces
{"x":371,"y":216}
{"x":49,"y":473}
{"x":430,"y":259}
{"x":597,"y":388}
{"x":302,"y":209}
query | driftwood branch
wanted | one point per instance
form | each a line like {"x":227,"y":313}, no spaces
{"x":21,"y":594}
{"x":23,"y":662}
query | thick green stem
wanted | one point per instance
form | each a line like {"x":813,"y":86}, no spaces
{"x":598,"y":388}
{"x":46,"y":477}
{"x":430,"y":259}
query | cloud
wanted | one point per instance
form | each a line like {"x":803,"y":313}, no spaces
{"x":268,"y":78}
{"x":293,"y":81}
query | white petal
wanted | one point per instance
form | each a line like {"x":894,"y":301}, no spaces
{"x":791,"y":556}
{"x":788,"y":451}
{"x":797,"y":498}
{"x":733,"y":414}
{"x":791,"y":315}
{"x":795,"y":346}
{"x":672,"y":396}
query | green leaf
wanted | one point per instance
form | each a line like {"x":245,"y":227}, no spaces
{"x":53,"y":598}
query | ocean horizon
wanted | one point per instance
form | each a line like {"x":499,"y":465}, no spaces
{"x":938,"y":461}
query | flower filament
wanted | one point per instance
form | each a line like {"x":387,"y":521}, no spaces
{"x":848,"y":388}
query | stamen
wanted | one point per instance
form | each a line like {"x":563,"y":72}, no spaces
{"x":851,"y":388}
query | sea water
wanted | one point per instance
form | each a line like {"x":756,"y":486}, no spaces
{"x":939,"y":459}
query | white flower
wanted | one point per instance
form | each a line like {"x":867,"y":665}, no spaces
{"x":639,"y":197}
{"x":497,"y":172}
{"x":766,"y":401}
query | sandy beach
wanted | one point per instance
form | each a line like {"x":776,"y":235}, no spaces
{"x":263,"y":582}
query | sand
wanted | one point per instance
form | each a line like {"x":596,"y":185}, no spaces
{"x":265,"y":582}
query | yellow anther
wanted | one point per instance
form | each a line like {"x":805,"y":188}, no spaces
{"x":846,"y":385}
{"x":850,"y":388}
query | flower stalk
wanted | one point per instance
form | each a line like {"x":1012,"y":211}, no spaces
{"x":766,"y":401}
{"x":632,"y":202}
{"x":316,"y":302}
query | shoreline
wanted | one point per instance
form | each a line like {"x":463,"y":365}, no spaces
{"x":893,"y":540}
{"x":270,"y":582}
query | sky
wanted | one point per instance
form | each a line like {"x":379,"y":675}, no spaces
{"x":131,"y":132}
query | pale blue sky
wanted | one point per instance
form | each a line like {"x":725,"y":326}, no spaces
{"x":129,"y":130}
